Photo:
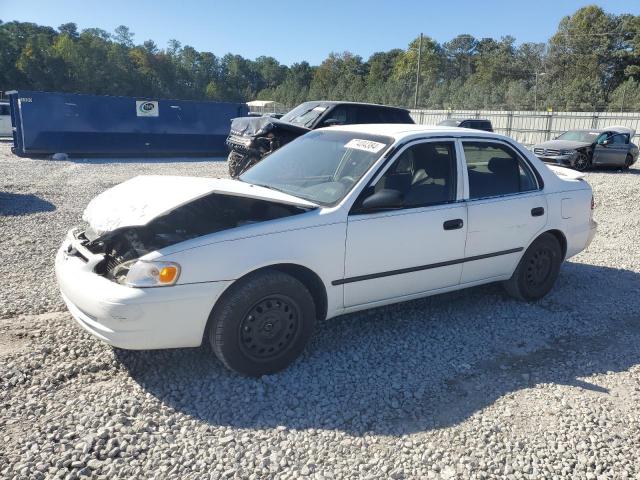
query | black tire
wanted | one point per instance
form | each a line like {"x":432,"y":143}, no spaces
{"x":537,"y":271}
{"x":582,"y":162}
{"x":628,"y":161}
{"x":262,"y":323}
{"x":239,"y":163}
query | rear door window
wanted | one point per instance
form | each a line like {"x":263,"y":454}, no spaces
{"x":495,"y":169}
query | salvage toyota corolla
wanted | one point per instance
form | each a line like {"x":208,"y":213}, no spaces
{"x":339,"y":220}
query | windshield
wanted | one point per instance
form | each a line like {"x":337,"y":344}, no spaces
{"x":321,"y":167}
{"x":579,"y":136}
{"x":304,"y":114}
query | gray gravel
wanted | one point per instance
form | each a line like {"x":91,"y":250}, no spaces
{"x":465,"y":385}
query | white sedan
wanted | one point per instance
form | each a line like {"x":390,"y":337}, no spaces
{"x":339,"y":220}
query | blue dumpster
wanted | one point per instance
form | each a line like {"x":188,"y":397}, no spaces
{"x":78,"y":124}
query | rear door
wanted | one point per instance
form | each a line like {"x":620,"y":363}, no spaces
{"x":506,"y":208}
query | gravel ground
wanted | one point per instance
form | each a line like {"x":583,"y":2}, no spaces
{"x":465,"y":385}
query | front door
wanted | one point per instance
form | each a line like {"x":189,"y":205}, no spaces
{"x":416,"y":247}
{"x":506,"y":209}
{"x":614,"y":152}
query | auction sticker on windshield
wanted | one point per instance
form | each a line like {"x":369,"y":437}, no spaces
{"x":366,"y":145}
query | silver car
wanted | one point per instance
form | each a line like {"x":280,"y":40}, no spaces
{"x":582,"y":149}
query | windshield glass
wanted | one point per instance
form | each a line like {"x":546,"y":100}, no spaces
{"x":579,"y":136}
{"x":304,"y":114}
{"x":321,"y":167}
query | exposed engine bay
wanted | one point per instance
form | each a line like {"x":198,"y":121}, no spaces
{"x":209,"y":214}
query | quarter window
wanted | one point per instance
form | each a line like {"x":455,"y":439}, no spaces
{"x":425,"y":174}
{"x":495,"y":169}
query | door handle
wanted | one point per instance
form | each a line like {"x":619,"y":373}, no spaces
{"x":537,"y":212}
{"x":453,"y":224}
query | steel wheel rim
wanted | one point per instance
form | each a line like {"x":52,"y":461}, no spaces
{"x":539,"y":267}
{"x":270,"y":327}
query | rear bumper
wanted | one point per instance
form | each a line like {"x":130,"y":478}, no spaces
{"x":577,"y":241}
{"x":134,"y":318}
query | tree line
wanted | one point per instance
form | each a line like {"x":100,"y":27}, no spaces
{"x":591,"y":63}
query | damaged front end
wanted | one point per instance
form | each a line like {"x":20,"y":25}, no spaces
{"x":251,"y":139}
{"x":213,"y":213}
{"x":122,"y":229}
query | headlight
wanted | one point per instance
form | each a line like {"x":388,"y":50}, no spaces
{"x":567,"y":152}
{"x":151,"y":274}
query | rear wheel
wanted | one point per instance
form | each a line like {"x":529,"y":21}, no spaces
{"x":628,"y":161}
{"x":262,"y":323}
{"x":537,"y":271}
{"x":582,"y":162}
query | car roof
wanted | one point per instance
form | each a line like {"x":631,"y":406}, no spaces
{"x":406,"y":131}
{"x":463,"y":119}
{"x":616,"y":129}
{"x":337,"y":102}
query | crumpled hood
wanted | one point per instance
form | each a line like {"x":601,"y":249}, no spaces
{"x":254,"y":126}
{"x":141,"y":199}
{"x":562,"y":144}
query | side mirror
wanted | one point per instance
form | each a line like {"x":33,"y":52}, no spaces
{"x":606,"y":141}
{"x":383,"y":200}
{"x":329,"y":122}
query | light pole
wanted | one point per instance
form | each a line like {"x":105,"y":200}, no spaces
{"x":538,"y":74}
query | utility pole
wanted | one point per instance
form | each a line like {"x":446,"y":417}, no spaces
{"x":624,"y":91}
{"x":415,"y":100}
{"x":536,"y":90}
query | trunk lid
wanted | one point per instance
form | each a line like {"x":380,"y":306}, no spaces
{"x":139,"y":200}
{"x":566,"y":173}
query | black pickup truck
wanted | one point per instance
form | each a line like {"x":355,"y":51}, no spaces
{"x":253,"y":138}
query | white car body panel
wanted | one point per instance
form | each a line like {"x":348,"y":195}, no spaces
{"x":141,"y":199}
{"x":400,"y":242}
{"x":498,"y":225}
{"x":342,"y":249}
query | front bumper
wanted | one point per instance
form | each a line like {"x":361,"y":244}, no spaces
{"x":133,"y":318}
{"x":563,"y":160}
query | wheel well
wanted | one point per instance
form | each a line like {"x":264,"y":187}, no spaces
{"x":310,"y":280}
{"x":562,"y":240}
{"x":303,"y":274}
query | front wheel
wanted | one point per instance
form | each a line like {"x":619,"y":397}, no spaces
{"x":262,"y":323}
{"x":582,"y":162}
{"x":239,"y":163}
{"x":537,"y":271}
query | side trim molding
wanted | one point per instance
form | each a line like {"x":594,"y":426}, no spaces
{"x":401,"y":271}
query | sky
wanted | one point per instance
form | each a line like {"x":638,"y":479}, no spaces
{"x":292,"y":31}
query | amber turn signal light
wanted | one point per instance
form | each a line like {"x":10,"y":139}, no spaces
{"x":168,"y":274}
